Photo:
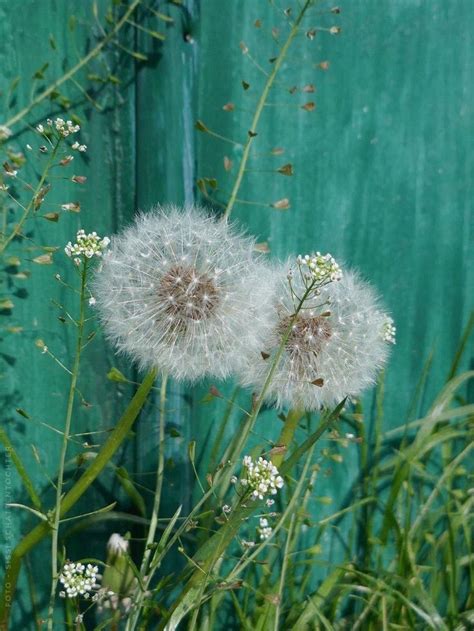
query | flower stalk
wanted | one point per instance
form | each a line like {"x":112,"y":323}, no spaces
{"x":146,"y":572}
{"x":26,"y":212}
{"x":65,"y":441}
{"x":261,"y":104}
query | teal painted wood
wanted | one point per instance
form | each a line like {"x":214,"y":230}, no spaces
{"x":382,"y":180}
{"x":30,"y":380}
{"x":383,"y":171}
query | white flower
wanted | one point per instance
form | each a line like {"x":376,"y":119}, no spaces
{"x":92,"y":301}
{"x":262,"y":477}
{"x":389,"y":330}
{"x":82,"y":148}
{"x":183,"y":292}
{"x":334,"y":348}
{"x":264,"y":530}
{"x":5,"y":132}
{"x":117,"y":544}
{"x":321,"y":268}
{"x":248,"y":544}
{"x":64,"y":127}
{"x":226,"y":509}
{"x":89,"y":245}
{"x":78,"y":579}
{"x":40,"y":129}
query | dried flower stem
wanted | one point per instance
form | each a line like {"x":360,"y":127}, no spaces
{"x":27,"y":209}
{"x":64,"y":446}
{"x":75,"y":69}
{"x":145,"y":570}
{"x":260,"y":106}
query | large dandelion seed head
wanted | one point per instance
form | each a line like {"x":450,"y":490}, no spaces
{"x":334,"y":347}
{"x":184,"y":293}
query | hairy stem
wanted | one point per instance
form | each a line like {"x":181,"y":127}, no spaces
{"x":75,"y":69}
{"x":64,"y":446}
{"x":260,"y":105}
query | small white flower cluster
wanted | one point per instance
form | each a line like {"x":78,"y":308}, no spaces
{"x":65,"y":128}
{"x":78,"y":580}
{"x":88,"y":245}
{"x":264,"y":530}
{"x":262,"y":477}
{"x":321,"y":268}
{"x":5,"y":132}
{"x":78,"y":147}
{"x":389,"y":331}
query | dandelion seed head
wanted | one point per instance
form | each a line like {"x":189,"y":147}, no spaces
{"x":184,"y":293}
{"x":334,"y":348}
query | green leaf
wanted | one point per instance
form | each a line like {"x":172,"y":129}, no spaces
{"x":114,"y":374}
{"x":20,"y":467}
{"x":35,"y":512}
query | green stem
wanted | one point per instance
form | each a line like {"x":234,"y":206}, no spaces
{"x":75,"y":69}
{"x":116,"y":438}
{"x":144,"y":568}
{"x":65,"y":442}
{"x":215,"y":546}
{"x":16,"y":230}
{"x":291,"y":423}
{"x":260,"y":105}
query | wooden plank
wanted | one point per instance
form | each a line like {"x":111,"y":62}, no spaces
{"x":381,"y":166}
{"x":33,"y":381}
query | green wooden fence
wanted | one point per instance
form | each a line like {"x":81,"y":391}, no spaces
{"x":382,"y":179}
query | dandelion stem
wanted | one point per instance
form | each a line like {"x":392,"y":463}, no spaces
{"x":16,"y":230}
{"x":284,"y":567}
{"x":145,"y":565}
{"x":64,"y":446}
{"x":260,"y":106}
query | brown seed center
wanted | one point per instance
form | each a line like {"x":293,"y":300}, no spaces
{"x":308,"y":334}
{"x":187,"y":295}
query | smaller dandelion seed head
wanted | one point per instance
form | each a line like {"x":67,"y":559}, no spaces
{"x":88,"y":245}
{"x":262,"y":477}
{"x":78,"y":579}
{"x":333,"y":345}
